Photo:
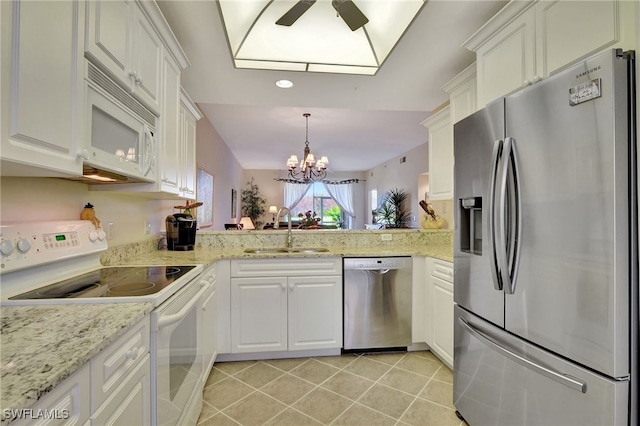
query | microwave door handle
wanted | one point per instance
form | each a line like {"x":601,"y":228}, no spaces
{"x":167,"y":320}
{"x":147,"y":151}
{"x":495,"y":163}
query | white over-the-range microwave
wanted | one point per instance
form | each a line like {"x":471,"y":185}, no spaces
{"x":119,"y":133}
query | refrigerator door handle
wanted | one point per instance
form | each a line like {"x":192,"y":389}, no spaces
{"x":515,"y":222}
{"x":501,"y":227}
{"x":495,"y":159}
{"x":559,"y":377}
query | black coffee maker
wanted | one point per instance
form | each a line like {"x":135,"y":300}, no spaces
{"x":181,"y":232}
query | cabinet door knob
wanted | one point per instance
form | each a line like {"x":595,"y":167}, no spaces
{"x":526,"y":83}
{"x":132,"y":354}
{"x":536,"y":78}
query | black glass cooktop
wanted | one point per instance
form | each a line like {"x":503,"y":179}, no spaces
{"x":111,"y":282}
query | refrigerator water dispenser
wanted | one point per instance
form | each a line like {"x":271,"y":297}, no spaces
{"x":471,"y":225}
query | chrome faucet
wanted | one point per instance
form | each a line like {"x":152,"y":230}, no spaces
{"x":276,"y":225}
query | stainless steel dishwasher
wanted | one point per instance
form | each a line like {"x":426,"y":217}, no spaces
{"x":377,"y":302}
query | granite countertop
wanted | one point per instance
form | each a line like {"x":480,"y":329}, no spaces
{"x":42,"y":345}
{"x":207,"y":255}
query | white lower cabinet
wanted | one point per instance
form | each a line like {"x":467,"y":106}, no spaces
{"x":259,"y":314}
{"x":315,"y":312}
{"x":440,"y":309}
{"x":130,"y":403}
{"x":285,"y":305}
{"x":67,"y":404}
{"x":114,"y":388}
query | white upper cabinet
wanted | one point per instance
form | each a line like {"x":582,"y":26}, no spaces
{"x":569,"y":30}
{"x":440,"y":155}
{"x":41,"y":87}
{"x":462,"y":94}
{"x":528,"y":41}
{"x":122,"y":41}
{"x":506,"y":61}
{"x":189,"y":114}
{"x":170,"y":133}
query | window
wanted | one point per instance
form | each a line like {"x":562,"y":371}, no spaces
{"x":318,"y":200}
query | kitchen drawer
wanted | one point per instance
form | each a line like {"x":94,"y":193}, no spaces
{"x":443,"y":270}
{"x":66,"y":404}
{"x":242,"y":268}
{"x":111,"y":366}
{"x":130,"y":404}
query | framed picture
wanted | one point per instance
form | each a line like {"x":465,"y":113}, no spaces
{"x":234,"y":204}
{"x":204,"y":194}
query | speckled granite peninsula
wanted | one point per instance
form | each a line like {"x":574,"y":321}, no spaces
{"x":214,"y":245}
{"x":40,"y":346}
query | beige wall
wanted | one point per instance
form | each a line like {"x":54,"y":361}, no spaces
{"x":37,"y":199}
{"x":393,"y":174}
{"x":213,"y":155}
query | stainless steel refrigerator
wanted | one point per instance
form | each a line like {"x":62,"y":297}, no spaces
{"x":545,"y":252}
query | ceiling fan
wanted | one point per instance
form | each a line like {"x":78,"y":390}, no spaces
{"x":346,"y":9}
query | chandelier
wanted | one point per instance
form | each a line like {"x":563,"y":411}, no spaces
{"x":310,"y":170}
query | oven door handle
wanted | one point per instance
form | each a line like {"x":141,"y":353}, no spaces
{"x":172,"y":319}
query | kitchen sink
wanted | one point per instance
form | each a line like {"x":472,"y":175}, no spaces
{"x":285,"y":250}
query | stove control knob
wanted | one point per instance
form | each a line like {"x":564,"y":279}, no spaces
{"x":23,"y":245}
{"x":93,"y":235}
{"x":6,"y":247}
{"x":101,"y":234}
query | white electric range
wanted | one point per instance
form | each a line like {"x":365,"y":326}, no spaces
{"x":58,"y":262}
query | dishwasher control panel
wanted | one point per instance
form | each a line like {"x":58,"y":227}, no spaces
{"x":374,"y":263}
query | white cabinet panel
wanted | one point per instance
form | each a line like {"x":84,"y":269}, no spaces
{"x":442,"y":315}
{"x":189,"y":114}
{"x":146,"y":61}
{"x":563,"y":38}
{"x":315,"y":313}
{"x":169,"y":149}
{"x":507,"y":61}
{"x":68,"y":404}
{"x":41,"y":87}
{"x":528,"y":41}
{"x":122,"y":41}
{"x":440,"y":302}
{"x":440,"y":155}
{"x":110,"y":368}
{"x":109,"y":35}
{"x":276,"y":307}
{"x":130,"y":404}
{"x":258,"y":314}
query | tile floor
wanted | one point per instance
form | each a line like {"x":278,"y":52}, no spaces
{"x":412,"y":388}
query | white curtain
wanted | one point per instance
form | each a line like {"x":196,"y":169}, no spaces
{"x":343,"y":194}
{"x":293,"y":193}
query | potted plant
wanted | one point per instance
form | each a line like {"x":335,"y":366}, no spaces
{"x":309,"y":220}
{"x":253,"y":204}
{"x":392,"y":211}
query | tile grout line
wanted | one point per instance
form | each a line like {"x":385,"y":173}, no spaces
{"x":320,"y":386}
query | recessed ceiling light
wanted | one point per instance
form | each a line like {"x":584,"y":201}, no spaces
{"x":284,"y":84}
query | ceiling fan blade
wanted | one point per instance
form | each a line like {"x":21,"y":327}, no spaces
{"x":350,"y":13}
{"x":295,"y":12}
